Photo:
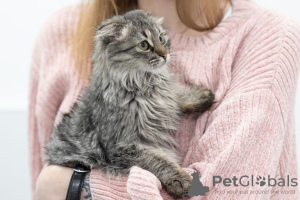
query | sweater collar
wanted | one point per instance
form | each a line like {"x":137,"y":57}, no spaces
{"x":242,"y":11}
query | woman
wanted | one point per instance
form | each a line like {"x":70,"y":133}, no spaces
{"x":250,"y":61}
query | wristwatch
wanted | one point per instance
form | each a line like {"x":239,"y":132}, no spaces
{"x":76,"y":182}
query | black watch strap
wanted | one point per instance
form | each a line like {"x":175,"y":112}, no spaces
{"x":76,"y":182}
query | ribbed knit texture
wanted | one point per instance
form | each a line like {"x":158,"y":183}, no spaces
{"x":250,"y":61}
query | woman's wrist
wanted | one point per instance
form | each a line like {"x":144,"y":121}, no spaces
{"x":53,"y":182}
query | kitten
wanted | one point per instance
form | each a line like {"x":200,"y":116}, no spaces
{"x":129,"y":113}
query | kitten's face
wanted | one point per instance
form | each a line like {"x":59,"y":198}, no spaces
{"x":135,"y":39}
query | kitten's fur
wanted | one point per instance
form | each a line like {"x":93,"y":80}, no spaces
{"x":128,"y":114}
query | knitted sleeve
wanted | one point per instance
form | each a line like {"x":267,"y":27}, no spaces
{"x":34,"y":146}
{"x":43,"y":100}
{"x":249,"y":132}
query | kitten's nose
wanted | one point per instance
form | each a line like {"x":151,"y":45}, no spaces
{"x":162,"y":54}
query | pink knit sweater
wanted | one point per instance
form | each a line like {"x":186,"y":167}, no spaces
{"x":250,"y":61}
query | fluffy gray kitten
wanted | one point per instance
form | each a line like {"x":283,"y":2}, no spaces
{"x":129,"y":113}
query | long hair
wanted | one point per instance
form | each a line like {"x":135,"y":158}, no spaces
{"x":93,"y":12}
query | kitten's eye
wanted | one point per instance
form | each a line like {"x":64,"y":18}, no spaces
{"x":144,"y":45}
{"x":162,"y":39}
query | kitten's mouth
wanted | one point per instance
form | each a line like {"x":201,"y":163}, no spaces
{"x":159,"y":63}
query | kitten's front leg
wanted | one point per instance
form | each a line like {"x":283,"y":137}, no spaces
{"x":197,"y":99}
{"x":167,"y":171}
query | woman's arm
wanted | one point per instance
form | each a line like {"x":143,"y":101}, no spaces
{"x":54,"y":180}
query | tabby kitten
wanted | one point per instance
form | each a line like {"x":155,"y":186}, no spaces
{"x":129,"y":113}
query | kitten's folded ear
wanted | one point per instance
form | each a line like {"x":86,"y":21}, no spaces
{"x":111,"y":30}
{"x":157,"y":20}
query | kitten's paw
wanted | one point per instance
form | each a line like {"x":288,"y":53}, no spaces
{"x":198,"y":99}
{"x":178,"y":185}
{"x":206,"y":99}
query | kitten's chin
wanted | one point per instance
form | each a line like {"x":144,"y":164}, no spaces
{"x":158,"y":68}
{"x":161,"y":64}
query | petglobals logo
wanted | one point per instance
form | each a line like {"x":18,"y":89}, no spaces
{"x":245,"y":181}
{"x":196,"y":189}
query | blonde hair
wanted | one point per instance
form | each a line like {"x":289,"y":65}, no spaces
{"x":93,"y":12}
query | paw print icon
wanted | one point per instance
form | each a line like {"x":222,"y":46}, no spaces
{"x":261,"y":181}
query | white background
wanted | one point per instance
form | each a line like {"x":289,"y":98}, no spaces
{"x":20,"y":21}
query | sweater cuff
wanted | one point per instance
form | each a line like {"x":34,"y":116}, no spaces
{"x":104,"y":187}
{"x":142,"y":185}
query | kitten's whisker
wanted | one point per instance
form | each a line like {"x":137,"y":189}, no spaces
{"x":172,"y":54}
{"x":176,"y":50}
{"x":173,"y":65}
